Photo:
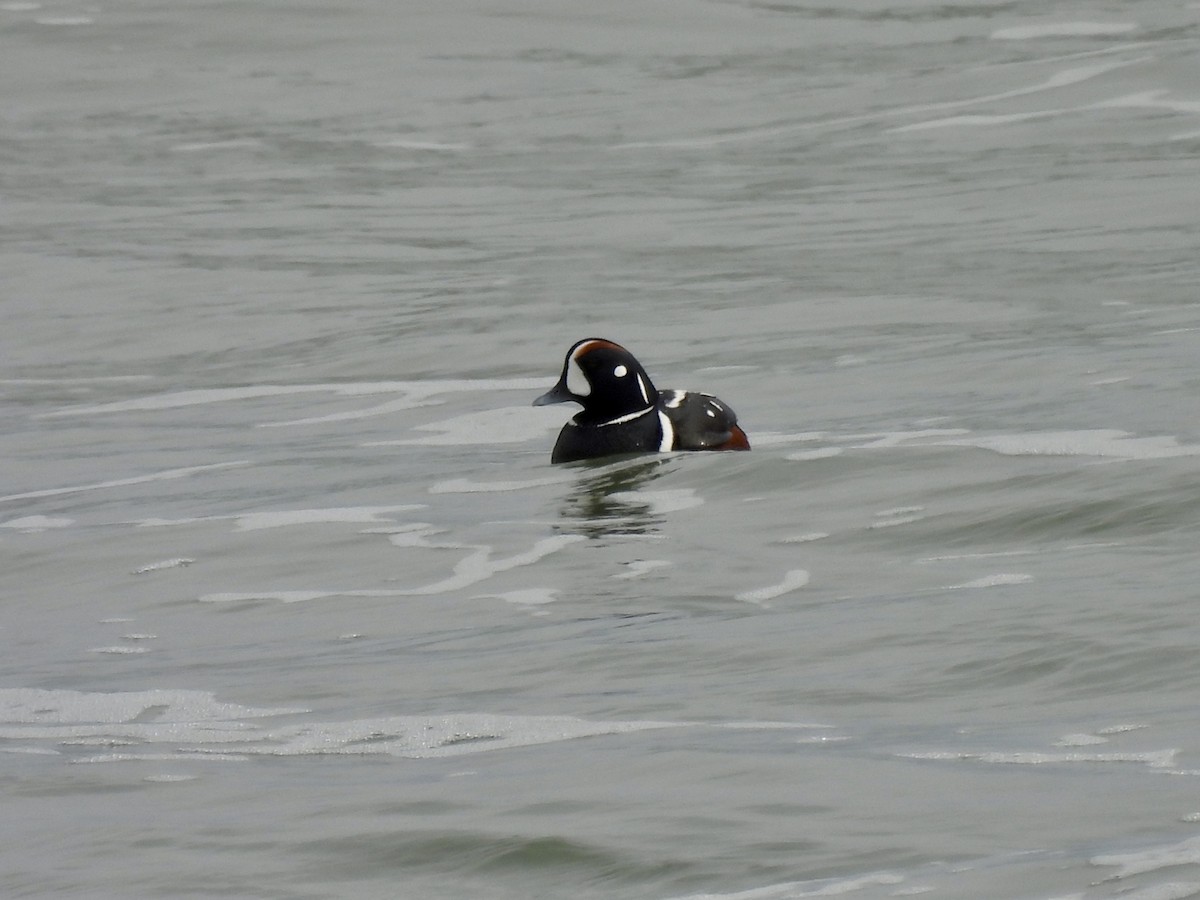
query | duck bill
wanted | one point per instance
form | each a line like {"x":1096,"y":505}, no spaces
{"x":556,"y":394}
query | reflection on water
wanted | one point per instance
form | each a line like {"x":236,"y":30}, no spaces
{"x":605,"y":503}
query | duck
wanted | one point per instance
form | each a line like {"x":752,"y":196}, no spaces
{"x":623,"y":412}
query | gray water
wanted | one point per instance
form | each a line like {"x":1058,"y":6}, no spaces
{"x":292,"y":603}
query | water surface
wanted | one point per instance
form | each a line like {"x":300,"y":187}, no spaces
{"x":293,"y":603}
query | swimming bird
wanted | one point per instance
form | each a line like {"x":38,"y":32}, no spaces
{"x":624,"y":413}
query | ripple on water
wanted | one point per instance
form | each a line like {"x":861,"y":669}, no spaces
{"x":182,"y":724}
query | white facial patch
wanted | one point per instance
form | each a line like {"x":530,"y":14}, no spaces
{"x":620,"y":371}
{"x":577,"y":382}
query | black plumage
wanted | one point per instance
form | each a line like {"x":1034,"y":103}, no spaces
{"x":624,"y":413}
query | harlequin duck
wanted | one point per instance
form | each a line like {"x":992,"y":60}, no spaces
{"x":624,"y":413}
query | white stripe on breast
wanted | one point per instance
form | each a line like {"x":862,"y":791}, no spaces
{"x":628,"y":417}
{"x":668,"y":433}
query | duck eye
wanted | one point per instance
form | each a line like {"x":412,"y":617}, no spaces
{"x":620,"y":371}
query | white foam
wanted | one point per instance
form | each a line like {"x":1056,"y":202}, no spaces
{"x":1065,"y":78}
{"x":506,"y":425}
{"x":37,"y":523}
{"x":278,"y":596}
{"x":436,"y":736}
{"x":65,"y":20}
{"x":668,"y":500}
{"x":414,"y":389}
{"x":1105,"y":443}
{"x":1155,"y":99}
{"x":253,"y":521}
{"x":323,"y":516}
{"x":899,"y":511}
{"x":413,"y":737}
{"x":380,"y":409}
{"x":764,"y":725}
{"x":1063,"y":29}
{"x":1080,"y":740}
{"x":822,"y":453}
{"x":804,"y":538}
{"x":1068,"y":77}
{"x":166,"y":725}
{"x":417,"y":534}
{"x":1060,"y":79}
{"x":794,"y":890}
{"x":479,"y":566}
{"x":1171,"y":890}
{"x":181,"y":399}
{"x":1155,"y":759}
{"x":231,"y":144}
{"x":98,"y":741}
{"x":119,"y":650}
{"x":1146,"y":100}
{"x":640,"y":567}
{"x":1108,"y":443}
{"x":774,"y":438}
{"x":899,"y":438}
{"x":1185,"y":853}
{"x":960,"y":556}
{"x":894,"y":520}
{"x":476,"y":567}
{"x":123,"y":482}
{"x":823,"y":739}
{"x":35,"y":707}
{"x":792,"y":580}
{"x":92,"y":379}
{"x":466,"y":486}
{"x":439,"y":736}
{"x":977,"y":119}
{"x":176,"y":563}
{"x":435,"y":146}
{"x":526,"y":596}
{"x":997,"y":580}
{"x":176,"y":756}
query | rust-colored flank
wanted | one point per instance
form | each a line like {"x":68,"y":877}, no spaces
{"x":737,"y":440}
